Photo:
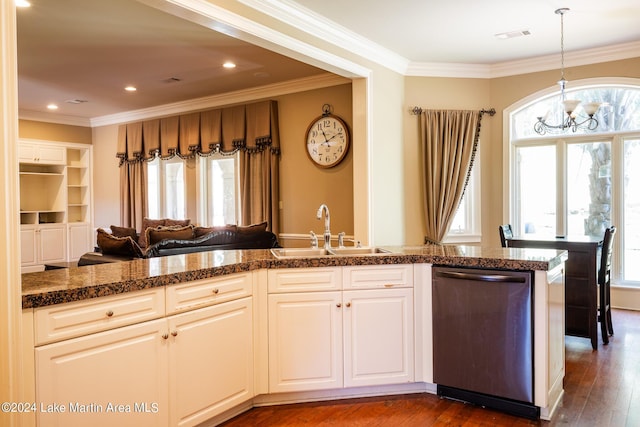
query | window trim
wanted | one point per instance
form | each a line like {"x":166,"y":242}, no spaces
{"x":508,"y":177}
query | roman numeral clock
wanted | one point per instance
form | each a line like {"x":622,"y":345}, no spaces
{"x":327,"y":139}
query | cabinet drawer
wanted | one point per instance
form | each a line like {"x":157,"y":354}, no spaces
{"x":86,"y":317}
{"x":305,"y":279}
{"x":377,"y":276}
{"x":199,"y":293}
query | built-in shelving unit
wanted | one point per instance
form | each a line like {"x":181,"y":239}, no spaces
{"x":55,"y":202}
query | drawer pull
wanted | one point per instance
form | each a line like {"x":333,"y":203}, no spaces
{"x":174,"y":333}
{"x":109,"y":313}
{"x":216,"y":290}
{"x":348,"y":304}
{"x":165,"y":336}
{"x":339,"y":305}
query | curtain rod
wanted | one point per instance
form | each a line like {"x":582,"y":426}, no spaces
{"x":491,"y":111}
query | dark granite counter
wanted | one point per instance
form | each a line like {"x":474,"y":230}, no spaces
{"x":78,"y":283}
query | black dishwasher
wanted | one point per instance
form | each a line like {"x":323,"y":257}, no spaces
{"x":483,"y":338}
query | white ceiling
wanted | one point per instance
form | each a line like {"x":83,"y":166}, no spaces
{"x":90,"y":49}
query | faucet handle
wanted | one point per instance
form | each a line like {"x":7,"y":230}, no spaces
{"x":314,"y":240}
{"x":341,"y":239}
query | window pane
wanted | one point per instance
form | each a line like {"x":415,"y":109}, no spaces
{"x":174,"y":189}
{"x":631,"y":225}
{"x":221,"y":191}
{"x":153,"y":188}
{"x":588,"y":188}
{"x":536,"y":192}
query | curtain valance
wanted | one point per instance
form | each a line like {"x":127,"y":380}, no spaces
{"x":251,"y":127}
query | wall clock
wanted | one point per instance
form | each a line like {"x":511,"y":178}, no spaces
{"x":327,"y":139}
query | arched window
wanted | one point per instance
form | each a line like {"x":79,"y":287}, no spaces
{"x":579,"y":183}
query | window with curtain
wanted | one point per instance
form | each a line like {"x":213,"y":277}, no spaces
{"x":166,"y":188}
{"x":580,"y":183}
{"x":466,"y":223}
{"x":219,"y":184}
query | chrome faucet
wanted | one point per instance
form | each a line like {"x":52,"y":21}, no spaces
{"x":327,"y":224}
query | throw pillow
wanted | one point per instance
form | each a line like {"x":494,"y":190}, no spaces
{"x":249,"y":231}
{"x":146,"y":224}
{"x":173,"y":222}
{"x":112,"y":245}
{"x":154,"y":235}
{"x":124,"y":232}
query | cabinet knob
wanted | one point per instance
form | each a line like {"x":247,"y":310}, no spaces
{"x":339,"y":305}
{"x":348,"y":304}
{"x":174,"y":333}
{"x":165,"y":336}
{"x":216,"y":290}
{"x":109,"y":313}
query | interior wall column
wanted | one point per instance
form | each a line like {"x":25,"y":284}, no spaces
{"x":11,"y":388}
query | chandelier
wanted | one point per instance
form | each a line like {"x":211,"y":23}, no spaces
{"x":571,"y":120}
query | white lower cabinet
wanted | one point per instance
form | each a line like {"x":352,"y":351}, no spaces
{"x":210,"y":361}
{"x":305,"y":341}
{"x":117,"y":377}
{"x":378,"y":337}
{"x":175,"y":371}
{"x":80,"y":236}
{"x":323,"y":340}
{"x":41,"y":244}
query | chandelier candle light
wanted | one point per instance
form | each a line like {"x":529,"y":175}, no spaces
{"x":571,"y":120}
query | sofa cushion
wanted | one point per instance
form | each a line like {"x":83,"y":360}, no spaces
{"x":155,"y":235}
{"x":124,"y":232}
{"x":249,"y":232}
{"x":112,"y":245}
{"x":201,"y":231}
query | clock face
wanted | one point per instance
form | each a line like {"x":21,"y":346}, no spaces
{"x":327,"y":141}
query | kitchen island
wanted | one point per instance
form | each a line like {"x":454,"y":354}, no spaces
{"x":197,"y":338}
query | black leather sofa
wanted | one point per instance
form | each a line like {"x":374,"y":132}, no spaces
{"x":214,"y":240}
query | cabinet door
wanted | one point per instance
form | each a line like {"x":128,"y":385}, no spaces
{"x":28,"y":245}
{"x":112,"y":378}
{"x":305,"y":341}
{"x":79,"y":240}
{"x":211,"y":361}
{"x":53,"y":243}
{"x":378,"y":336}
{"x":41,"y":153}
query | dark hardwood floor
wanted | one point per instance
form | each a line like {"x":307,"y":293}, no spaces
{"x":602,"y":388}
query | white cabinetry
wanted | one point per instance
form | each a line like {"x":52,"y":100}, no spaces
{"x":37,"y":152}
{"x":117,"y":377}
{"x":210,"y":361}
{"x":373,"y":317}
{"x":175,"y":370}
{"x":55,"y":193}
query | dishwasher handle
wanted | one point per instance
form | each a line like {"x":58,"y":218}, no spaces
{"x":481,"y":277}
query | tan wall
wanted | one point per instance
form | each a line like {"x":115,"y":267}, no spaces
{"x":54,"y":132}
{"x":303,"y":186}
{"x":498,"y":93}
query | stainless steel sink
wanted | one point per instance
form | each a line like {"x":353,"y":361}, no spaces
{"x":347,"y":251}
{"x":298,"y":252}
{"x":320,"y":252}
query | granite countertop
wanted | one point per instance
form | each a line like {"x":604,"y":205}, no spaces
{"x":78,"y":283}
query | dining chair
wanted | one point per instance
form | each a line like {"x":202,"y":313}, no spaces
{"x":506,"y":233}
{"x":604,"y":284}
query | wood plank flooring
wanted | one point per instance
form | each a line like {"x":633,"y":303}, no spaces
{"x":602,"y":388}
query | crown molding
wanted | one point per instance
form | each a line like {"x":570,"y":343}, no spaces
{"x":263,"y":92}
{"x":61,"y":119}
{"x":306,"y":20}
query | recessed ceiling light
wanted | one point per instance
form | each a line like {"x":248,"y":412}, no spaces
{"x":512,"y":34}
{"x":229,"y":64}
{"x":130,"y":88}
{"x":52,"y":107}
{"x":22,"y":3}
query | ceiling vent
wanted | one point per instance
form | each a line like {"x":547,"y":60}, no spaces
{"x":76,"y":101}
{"x":512,"y":34}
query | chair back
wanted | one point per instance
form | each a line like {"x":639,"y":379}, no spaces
{"x":506,"y":233}
{"x":605,"y":258}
